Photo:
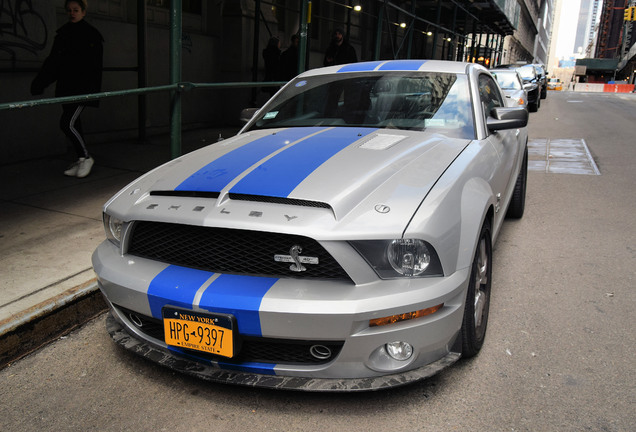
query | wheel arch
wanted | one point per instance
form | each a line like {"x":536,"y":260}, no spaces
{"x":477,"y":206}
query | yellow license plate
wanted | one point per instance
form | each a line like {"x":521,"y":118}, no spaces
{"x":210,"y":333}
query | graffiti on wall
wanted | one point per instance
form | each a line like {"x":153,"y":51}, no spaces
{"x":22,"y":28}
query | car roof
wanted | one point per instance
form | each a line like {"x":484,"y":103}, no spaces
{"x":397,"y":65}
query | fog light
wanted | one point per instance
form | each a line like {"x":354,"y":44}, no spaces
{"x":399,"y":350}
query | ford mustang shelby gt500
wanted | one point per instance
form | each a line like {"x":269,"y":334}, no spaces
{"x":341,"y":241}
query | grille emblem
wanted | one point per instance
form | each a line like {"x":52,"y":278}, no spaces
{"x":297,"y":260}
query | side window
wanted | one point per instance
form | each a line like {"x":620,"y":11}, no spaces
{"x":489,"y":94}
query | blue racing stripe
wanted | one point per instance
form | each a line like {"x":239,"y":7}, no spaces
{"x":253,"y":367}
{"x":361,"y":67}
{"x":250,"y":367}
{"x":240,"y":296}
{"x":399,"y":65}
{"x":217,"y":174}
{"x":280,"y":175}
{"x":176,"y":286}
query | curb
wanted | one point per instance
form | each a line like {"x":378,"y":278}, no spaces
{"x":29,"y":330}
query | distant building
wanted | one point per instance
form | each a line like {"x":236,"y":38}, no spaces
{"x":610,"y":33}
{"x":589,"y":14}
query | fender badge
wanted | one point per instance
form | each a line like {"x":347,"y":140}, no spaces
{"x":382,"y":208}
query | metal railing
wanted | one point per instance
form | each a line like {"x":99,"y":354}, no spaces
{"x":178,"y":88}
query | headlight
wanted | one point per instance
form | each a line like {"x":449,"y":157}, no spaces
{"x":408,"y":257}
{"x":400,"y":257}
{"x":113,"y":228}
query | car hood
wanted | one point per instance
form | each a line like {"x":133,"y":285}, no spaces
{"x":332,"y":177}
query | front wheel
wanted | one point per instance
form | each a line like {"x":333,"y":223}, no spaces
{"x":478,"y":296}
{"x":518,"y":200}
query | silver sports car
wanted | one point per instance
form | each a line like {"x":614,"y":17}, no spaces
{"x":341,"y":241}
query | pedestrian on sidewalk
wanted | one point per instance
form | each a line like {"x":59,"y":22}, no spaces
{"x":339,"y":50}
{"x":75,"y":64}
{"x":271,"y":55}
{"x":289,"y":60}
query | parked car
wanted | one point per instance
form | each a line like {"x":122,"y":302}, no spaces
{"x":342,"y":241}
{"x":542,"y":76}
{"x":512,"y":85}
{"x":555,"y":84}
{"x":531,"y":83}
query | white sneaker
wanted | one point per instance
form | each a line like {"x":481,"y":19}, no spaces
{"x":71,"y":171}
{"x":84,"y":167}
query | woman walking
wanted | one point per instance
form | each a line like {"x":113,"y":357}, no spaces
{"x":75,"y":64}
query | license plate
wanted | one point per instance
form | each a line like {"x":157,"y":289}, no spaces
{"x":210,"y":333}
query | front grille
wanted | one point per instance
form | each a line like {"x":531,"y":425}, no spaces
{"x":223,"y":250}
{"x":252,"y":349}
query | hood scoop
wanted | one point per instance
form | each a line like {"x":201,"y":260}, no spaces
{"x":243,"y":197}
{"x":187,"y":194}
{"x":279,"y":200}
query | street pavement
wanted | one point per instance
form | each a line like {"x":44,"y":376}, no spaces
{"x":50,"y":225}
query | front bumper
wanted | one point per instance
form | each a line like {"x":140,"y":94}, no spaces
{"x":294,"y":311}
{"x":208,"y":372}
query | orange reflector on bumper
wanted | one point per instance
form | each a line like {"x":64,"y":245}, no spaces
{"x":405,"y":316}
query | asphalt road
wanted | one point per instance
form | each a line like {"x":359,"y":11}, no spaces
{"x":559,"y":355}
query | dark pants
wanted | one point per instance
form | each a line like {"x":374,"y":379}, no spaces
{"x":71,"y":125}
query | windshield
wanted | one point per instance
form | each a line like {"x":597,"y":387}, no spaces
{"x":527,"y":72}
{"x":399,"y":100}
{"x":508,"y":80}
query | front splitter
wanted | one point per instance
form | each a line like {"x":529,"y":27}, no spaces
{"x":211,"y":373}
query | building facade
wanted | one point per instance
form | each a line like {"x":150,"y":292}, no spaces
{"x":222,"y":41}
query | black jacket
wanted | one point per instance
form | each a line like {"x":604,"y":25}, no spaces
{"x":75,"y":62}
{"x":339,"y":54}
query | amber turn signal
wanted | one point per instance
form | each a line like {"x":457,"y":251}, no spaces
{"x":405,"y":316}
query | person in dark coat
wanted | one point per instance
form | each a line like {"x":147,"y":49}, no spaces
{"x":75,"y":64}
{"x":289,"y":60}
{"x":339,"y":50}
{"x":271,"y":55}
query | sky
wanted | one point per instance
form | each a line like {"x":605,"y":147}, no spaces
{"x":567,"y":27}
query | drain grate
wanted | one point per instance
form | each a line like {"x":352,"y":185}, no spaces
{"x":561,"y":156}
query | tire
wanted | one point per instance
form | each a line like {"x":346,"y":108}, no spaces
{"x":534,"y":107}
{"x":478,"y":296}
{"x":518,"y":201}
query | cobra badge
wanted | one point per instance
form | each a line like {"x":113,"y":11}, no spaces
{"x":295,"y":258}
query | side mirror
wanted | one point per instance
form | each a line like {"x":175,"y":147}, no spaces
{"x":247,"y":114}
{"x":507,"y":118}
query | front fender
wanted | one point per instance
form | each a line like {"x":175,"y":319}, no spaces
{"x":477,"y":204}
{"x":451,"y":216}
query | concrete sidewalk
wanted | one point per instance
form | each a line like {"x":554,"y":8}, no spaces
{"x":50,"y":225}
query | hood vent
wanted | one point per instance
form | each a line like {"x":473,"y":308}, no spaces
{"x":243,"y":197}
{"x":278,"y":200}
{"x":187,"y":194}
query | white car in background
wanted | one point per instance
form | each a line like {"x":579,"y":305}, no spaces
{"x":512,"y":85}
